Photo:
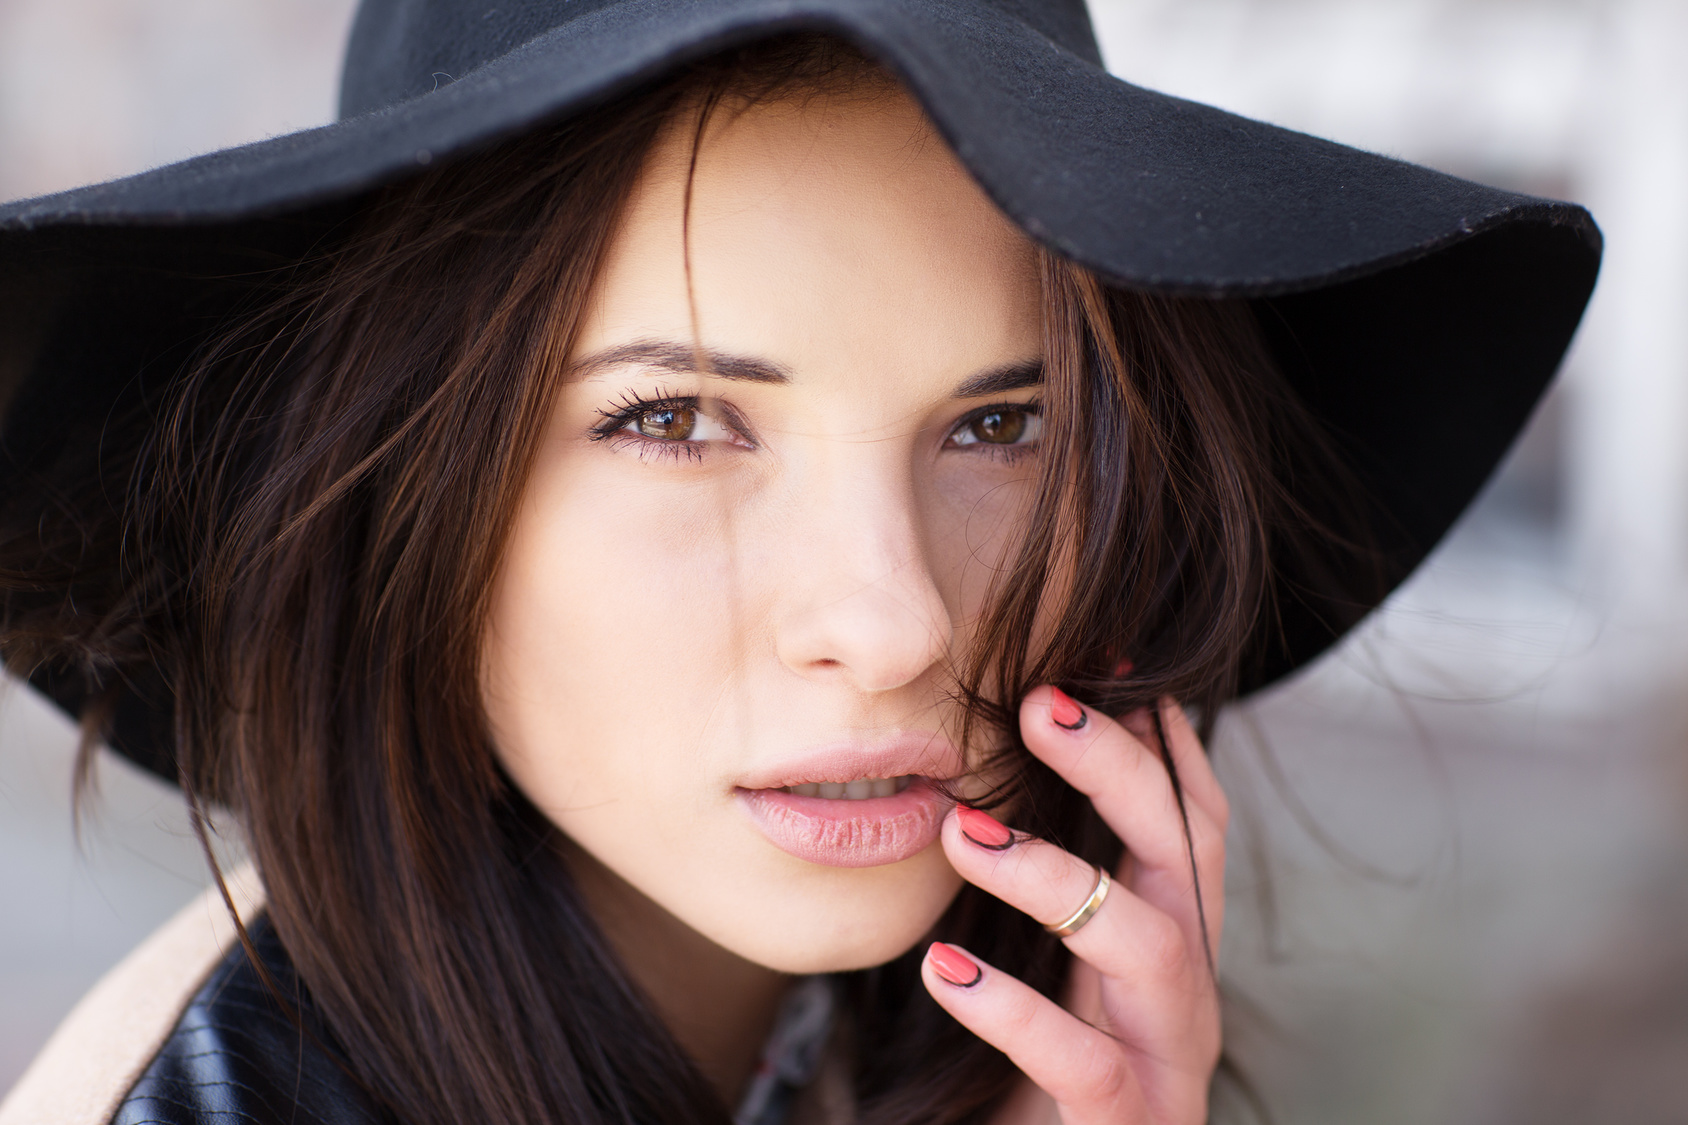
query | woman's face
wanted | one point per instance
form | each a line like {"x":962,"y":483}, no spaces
{"x":763,"y":519}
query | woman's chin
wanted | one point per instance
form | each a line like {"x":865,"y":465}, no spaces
{"x":853,"y":923}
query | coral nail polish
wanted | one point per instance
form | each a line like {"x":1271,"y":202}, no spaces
{"x":955,"y":966}
{"x":1064,"y":712}
{"x":984,"y":830}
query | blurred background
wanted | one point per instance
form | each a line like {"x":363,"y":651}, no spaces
{"x":1460,"y":884}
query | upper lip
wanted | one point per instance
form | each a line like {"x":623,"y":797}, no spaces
{"x":926,"y":754}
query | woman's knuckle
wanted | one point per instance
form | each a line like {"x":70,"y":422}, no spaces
{"x":1110,"y":1078}
{"x":1210,"y":851}
{"x":1163,"y":947}
{"x":1020,"y":1015}
{"x":1221,"y":809}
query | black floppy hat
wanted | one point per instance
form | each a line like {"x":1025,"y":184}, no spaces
{"x":1418,"y":315}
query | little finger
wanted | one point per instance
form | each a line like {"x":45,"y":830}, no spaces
{"x":1085,"y":1071}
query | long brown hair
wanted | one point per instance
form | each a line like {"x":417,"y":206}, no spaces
{"x":306,"y":529}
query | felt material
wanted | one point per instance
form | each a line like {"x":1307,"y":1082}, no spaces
{"x":1419,"y":315}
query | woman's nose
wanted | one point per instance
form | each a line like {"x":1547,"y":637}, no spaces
{"x":863,"y":604}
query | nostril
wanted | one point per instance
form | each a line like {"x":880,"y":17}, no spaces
{"x":875,"y":636}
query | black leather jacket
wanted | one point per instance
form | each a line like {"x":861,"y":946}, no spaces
{"x":236,"y":1058}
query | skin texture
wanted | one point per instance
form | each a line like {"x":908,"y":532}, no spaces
{"x":676,"y":619}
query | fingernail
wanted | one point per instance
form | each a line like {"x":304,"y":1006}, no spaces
{"x":984,"y":830}
{"x":1064,"y":712}
{"x":955,"y":966}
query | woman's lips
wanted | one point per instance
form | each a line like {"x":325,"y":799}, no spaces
{"x":850,"y":832}
{"x":880,"y":803}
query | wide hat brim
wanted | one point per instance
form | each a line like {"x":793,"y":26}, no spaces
{"x":1419,"y":315}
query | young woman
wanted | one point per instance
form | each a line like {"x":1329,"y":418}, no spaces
{"x":678,"y":543}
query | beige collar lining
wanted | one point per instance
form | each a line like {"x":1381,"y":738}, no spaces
{"x":100,"y":1050}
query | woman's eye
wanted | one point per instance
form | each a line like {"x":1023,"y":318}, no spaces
{"x":1000,"y":426}
{"x":667,"y":423}
{"x":678,"y":422}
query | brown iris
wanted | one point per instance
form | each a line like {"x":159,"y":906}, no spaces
{"x":668,"y":423}
{"x":999,"y":427}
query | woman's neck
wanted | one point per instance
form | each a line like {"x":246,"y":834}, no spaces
{"x":718,"y":1006}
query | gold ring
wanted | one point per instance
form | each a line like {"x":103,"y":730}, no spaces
{"x":1086,"y":912}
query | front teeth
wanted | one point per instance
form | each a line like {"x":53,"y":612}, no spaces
{"x":859,"y":790}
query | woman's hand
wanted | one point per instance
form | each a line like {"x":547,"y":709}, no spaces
{"x":1136,"y":1037}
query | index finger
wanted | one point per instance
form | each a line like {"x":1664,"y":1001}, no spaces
{"x":1195,"y":769}
{"x":1127,"y":782}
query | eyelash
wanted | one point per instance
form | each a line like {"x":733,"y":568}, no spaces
{"x":632,"y":405}
{"x":616,"y":421}
{"x":1008,"y":454}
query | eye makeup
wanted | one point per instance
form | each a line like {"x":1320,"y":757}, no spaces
{"x":679,"y":426}
{"x":1005,"y":430}
{"x":670,"y":425}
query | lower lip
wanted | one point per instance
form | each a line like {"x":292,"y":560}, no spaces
{"x":840,"y":833}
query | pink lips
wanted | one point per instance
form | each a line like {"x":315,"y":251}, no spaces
{"x":863,"y":833}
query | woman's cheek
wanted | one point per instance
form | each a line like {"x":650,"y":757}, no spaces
{"x":975,"y":512}
{"x":606,"y":633}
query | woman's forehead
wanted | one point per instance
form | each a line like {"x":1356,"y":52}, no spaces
{"x":819,"y":232}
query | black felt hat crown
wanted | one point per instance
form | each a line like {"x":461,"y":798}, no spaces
{"x":1418,"y":315}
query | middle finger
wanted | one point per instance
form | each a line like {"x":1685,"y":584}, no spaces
{"x":1129,"y":785}
{"x":1127,"y":939}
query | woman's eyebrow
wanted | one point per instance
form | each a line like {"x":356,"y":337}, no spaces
{"x":686,"y":360}
{"x":683,"y":359}
{"x":998,"y":380}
